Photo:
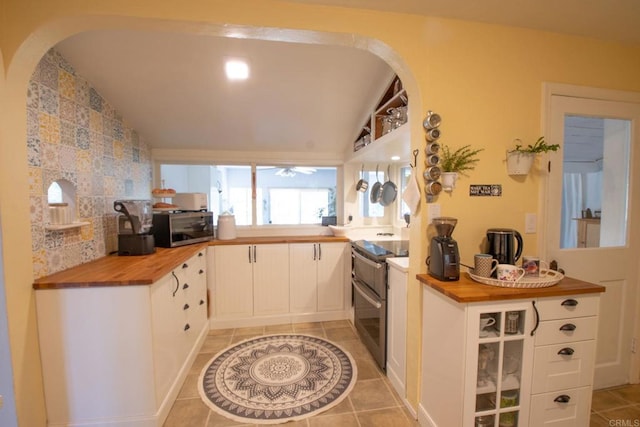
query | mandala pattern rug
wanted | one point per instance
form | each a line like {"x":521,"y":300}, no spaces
{"x":273,"y":379}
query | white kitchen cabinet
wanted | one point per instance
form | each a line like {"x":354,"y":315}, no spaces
{"x":532,"y":365}
{"x":317,"y":277}
{"x":118,"y":355}
{"x":397,"y":324}
{"x":251,"y":280}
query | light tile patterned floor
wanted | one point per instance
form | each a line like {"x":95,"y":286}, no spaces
{"x":373,"y":401}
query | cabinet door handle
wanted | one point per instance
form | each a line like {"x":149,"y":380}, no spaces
{"x":185,"y":286}
{"x":568,"y":327}
{"x":535,"y":312}
{"x":187,"y":327}
{"x":249,"y":254}
{"x":314,"y":252}
{"x":200,"y":254}
{"x":319,"y":252}
{"x":177,"y":283}
{"x":567,"y":351}
{"x":186,"y":307}
{"x":255,"y":258}
{"x":201,"y":301}
{"x":201,"y":271}
{"x":563,"y":398}
{"x":185,"y":265}
{"x":569,"y":303}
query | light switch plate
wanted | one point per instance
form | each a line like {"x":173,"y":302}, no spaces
{"x":433,"y":211}
{"x":530,"y":223}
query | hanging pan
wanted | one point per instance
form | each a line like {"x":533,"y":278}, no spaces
{"x":389,"y":191}
{"x":362,"y":185}
{"x":376,"y":191}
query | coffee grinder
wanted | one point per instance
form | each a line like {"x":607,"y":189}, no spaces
{"x":134,"y":227}
{"x":444,"y":259}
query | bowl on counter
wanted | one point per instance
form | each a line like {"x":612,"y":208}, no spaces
{"x":340,"y":230}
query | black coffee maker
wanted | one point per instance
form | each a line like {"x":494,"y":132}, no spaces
{"x":444,"y":259}
{"x":502,"y":245}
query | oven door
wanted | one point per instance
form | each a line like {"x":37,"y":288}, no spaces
{"x":371,"y":273}
{"x":370,"y":312}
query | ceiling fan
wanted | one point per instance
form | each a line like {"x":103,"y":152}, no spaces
{"x":289,"y":172}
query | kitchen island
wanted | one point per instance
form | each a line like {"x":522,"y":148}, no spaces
{"x":508,"y":356}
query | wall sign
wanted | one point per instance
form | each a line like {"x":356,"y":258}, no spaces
{"x":485,"y":190}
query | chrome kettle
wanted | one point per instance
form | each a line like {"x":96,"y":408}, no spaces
{"x":502,"y":245}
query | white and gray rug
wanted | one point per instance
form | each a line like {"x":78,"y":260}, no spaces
{"x":273,"y":379}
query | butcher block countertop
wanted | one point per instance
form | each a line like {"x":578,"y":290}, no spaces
{"x":466,"y":290}
{"x":279,"y":239}
{"x":114,"y":270}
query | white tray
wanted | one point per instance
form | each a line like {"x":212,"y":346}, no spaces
{"x":548,"y":278}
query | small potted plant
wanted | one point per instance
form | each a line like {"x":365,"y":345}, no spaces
{"x":460,"y":161}
{"x":520,"y":159}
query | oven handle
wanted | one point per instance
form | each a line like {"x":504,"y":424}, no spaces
{"x":367,"y":261}
{"x":364,"y":295}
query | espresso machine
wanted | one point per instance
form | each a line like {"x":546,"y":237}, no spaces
{"x":444,"y":259}
{"x":134,"y":227}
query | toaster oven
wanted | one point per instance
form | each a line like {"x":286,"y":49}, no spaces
{"x":184,"y":228}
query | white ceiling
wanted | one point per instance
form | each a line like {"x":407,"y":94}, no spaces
{"x":300,"y":98}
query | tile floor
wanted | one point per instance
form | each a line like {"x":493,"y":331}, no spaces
{"x":373,"y":401}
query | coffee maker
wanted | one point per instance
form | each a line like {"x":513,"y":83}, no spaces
{"x":134,"y":227}
{"x":444,"y":259}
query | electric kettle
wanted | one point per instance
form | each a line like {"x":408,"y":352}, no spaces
{"x":502,"y":245}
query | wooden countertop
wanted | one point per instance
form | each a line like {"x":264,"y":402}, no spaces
{"x":116,"y":270}
{"x":467,"y":290}
{"x":279,"y":239}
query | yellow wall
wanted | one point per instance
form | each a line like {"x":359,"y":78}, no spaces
{"x":484,"y":80}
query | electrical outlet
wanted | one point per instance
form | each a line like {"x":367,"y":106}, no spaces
{"x":530,"y":223}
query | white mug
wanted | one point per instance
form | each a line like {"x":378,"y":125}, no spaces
{"x":485,"y":322}
{"x":533,"y":266}
{"x":509,"y":273}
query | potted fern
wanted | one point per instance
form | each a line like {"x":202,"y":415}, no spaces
{"x":460,"y":161}
{"x":520,"y":159}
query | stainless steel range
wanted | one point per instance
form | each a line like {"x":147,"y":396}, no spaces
{"x":369,"y":280}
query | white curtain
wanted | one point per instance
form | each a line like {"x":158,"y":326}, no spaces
{"x":579,"y":191}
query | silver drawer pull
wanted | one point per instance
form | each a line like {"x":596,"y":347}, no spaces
{"x":568,"y":327}
{"x":364,"y":295}
{"x":569,"y":303}
{"x":367,"y":261}
{"x":563,"y":398}
{"x":567,"y":351}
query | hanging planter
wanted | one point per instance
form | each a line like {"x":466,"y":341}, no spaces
{"x":519,"y":163}
{"x":448,"y":180}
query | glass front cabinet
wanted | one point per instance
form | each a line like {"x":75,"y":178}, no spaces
{"x":498,"y":362}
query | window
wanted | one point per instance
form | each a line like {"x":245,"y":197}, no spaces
{"x":283,"y":194}
{"x":367,"y":208}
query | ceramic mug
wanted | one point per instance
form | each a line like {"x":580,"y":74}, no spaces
{"x":532,"y":266}
{"x":484,"y":265}
{"x":509,"y":273}
{"x":485,"y":322}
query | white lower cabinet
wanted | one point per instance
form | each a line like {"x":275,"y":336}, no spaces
{"x":278,"y":283}
{"x":509,"y":363}
{"x":397,"y":326}
{"x":118,"y":355}
{"x":317,"y":277}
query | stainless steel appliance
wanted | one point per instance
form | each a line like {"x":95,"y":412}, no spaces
{"x":444,"y":259}
{"x":369,"y":281}
{"x":182,"y":228}
{"x":134,"y":227}
{"x":502,"y":245}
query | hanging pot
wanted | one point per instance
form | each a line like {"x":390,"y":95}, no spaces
{"x":389,"y":191}
{"x":519,"y":163}
{"x":376,"y":190}
{"x":362,"y":184}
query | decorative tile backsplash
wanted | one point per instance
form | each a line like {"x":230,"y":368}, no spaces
{"x":74,"y":134}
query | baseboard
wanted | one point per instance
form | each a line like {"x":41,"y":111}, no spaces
{"x":424,"y":419}
{"x":246,"y":322}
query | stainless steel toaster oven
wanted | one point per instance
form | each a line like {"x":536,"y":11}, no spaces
{"x":182,"y":228}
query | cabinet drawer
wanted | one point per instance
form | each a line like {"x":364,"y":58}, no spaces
{"x":567,"y":307}
{"x":561,"y":408}
{"x":563,"y":366}
{"x":566,"y":330}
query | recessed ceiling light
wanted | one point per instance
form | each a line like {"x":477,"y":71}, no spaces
{"x":395,"y":157}
{"x":236,"y":69}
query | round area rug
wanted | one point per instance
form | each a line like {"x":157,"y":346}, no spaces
{"x":273,"y":379}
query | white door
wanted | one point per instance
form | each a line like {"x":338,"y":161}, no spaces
{"x":303,"y":277}
{"x":595,"y":176}
{"x":331,"y":276}
{"x":270,"y":279}
{"x":234,"y":281}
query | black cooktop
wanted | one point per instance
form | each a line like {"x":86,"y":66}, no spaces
{"x":383,"y":248}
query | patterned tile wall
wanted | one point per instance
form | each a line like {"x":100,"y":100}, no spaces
{"x":74,"y":134}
